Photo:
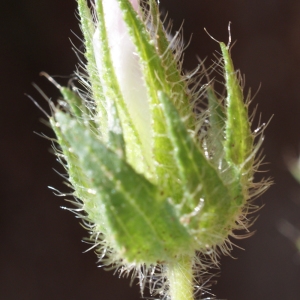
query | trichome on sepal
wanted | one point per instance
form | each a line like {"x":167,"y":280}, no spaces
{"x":156,"y":181}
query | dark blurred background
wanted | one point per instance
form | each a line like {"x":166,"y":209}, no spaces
{"x":41,"y":250}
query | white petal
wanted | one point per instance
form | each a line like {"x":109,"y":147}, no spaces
{"x":127,"y":69}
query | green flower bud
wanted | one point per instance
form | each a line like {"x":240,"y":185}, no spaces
{"x":156,"y":182}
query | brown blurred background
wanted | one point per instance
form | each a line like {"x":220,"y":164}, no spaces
{"x":41,"y":249}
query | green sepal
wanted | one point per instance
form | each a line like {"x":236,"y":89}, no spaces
{"x":155,"y":79}
{"x":142,"y":225}
{"x":77,"y":178}
{"x":171,"y":64}
{"x":210,"y":206}
{"x":239,"y":138}
{"x":88,"y":30}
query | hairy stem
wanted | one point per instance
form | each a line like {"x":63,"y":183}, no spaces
{"x":180,"y":276}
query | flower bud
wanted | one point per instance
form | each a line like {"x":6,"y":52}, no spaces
{"x":158,"y":181}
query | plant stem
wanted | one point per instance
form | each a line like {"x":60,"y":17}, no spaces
{"x":180,"y":276}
